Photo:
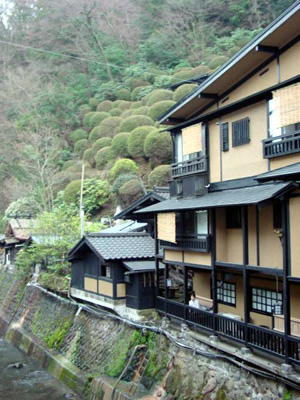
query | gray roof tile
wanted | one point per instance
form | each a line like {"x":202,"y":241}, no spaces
{"x":281,"y":173}
{"x":141,"y":266}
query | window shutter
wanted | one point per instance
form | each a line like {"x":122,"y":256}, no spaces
{"x":192,"y":139}
{"x":166,"y":227}
{"x":286,"y":106}
{"x":225,"y":137}
{"x":240,"y":132}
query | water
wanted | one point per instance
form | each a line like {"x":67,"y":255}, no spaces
{"x":30,"y":382}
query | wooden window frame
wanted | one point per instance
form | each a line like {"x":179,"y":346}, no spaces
{"x":225,"y":136}
{"x":230,"y":291}
{"x":274,"y":296}
{"x":240,"y":132}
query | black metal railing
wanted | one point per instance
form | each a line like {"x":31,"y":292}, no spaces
{"x":195,"y":165}
{"x":199,"y":243}
{"x":281,"y":145}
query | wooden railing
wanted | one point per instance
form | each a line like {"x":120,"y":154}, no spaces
{"x":279,"y":325}
{"x":281,"y":145}
{"x":199,"y":243}
{"x":193,"y":166}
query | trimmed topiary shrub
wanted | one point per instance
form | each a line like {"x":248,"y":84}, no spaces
{"x":81,"y":146}
{"x":86,"y":119}
{"x":119,"y":144}
{"x":123,"y":94}
{"x":137,"y":82}
{"x":120,"y":180}
{"x":93,"y":103}
{"x":68,"y":164}
{"x":94,"y":134}
{"x":136,"y":141}
{"x":124,"y":105}
{"x":159,"y":109}
{"x":182,"y":91}
{"x":83,"y":109}
{"x":182,"y":75}
{"x":109,"y":125}
{"x":78,"y":134}
{"x":130,"y":123}
{"x":103,"y":156}
{"x":201,"y":70}
{"x":158,"y":147}
{"x":136,"y":104}
{"x":141,"y":111}
{"x":217,"y":62}
{"x":137,"y":92}
{"x":97,"y":118}
{"x":159,"y":95}
{"x":115,"y":112}
{"x":100,"y":143}
{"x":127,"y":113}
{"x":130,"y":191}
{"x":72,"y":192}
{"x":160,"y":176}
{"x":125,"y":165}
{"x":105,"y":105}
{"x":88,"y":156}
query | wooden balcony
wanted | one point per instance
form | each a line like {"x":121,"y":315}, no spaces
{"x":279,"y":325}
{"x":256,"y":337}
{"x":195,"y":165}
{"x":199,"y":243}
{"x":281,"y":145}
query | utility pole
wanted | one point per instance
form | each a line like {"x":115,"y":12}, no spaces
{"x":81,"y":202}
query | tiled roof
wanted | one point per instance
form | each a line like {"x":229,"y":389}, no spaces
{"x":283,"y":173}
{"x":128,"y":226}
{"x":112,"y":246}
{"x":141,"y":266}
{"x":236,"y":197}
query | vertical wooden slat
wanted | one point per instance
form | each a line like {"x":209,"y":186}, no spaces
{"x":192,"y":139}
{"x":286,"y":106}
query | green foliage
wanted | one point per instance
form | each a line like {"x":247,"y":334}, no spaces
{"x":200,"y":70}
{"x":68,"y":164}
{"x":72,"y":192}
{"x":159,"y":95}
{"x":109,"y":125}
{"x":140,"y":92}
{"x":123,"y":94}
{"x":97,"y":118}
{"x":125,"y":165}
{"x":55,"y":339}
{"x":217,"y":62}
{"x":88,"y":156}
{"x":100,"y":143}
{"x":137,"y":82}
{"x":124,"y":105}
{"x":120,"y":180}
{"x":130,"y":123}
{"x":136,"y":104}
{"x":130,"y":191}
{"x":127,"y":113}
{"x":93,"y":103}
{"x":183,"y":91}
{"x":81,"y":146}
{"x":86,"y":119}
{"x":96,"y":193}
{"x":287,"y":395}
{"x":24,"y":205}
{"x":136,"y":141}
{"x":115,"y":112}
{"x":103,"y":156}
{"x":119,"y":144}
{"x":95,"y":134}
{"x":84,"y":109}
{"x":78,"y":135}
{"x":141,"y":111}
{"x":158,"y":147}
{"x":158,"y":109}
{"x":105,"y":105}
{"x":160,"y":176}
{"x":182,"y":75}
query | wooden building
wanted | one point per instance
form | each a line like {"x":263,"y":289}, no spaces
{"x":232,"y":224}
{"x":114,"y":270}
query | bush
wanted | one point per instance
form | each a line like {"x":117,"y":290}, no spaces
{"x":88,"y":156}
{"x":96,"y":193}
{"x":130,"y":191}
{"x":72,"y":192}
{"x":78,"y":135}
{"x":119,"y":144}
{"x":83,"y":109}
{"x":136,"y":104}
{"x":159,"y":95}
{"x":81,"y":146}
{"x":160,"y":176}
{"x":109,"y":125}
{"x":120,"y":180}
{"x":115,"y":112}
{"x":100,"y":143}
{"x":97,"y":118}
{"x":217,"y":62}
{"x":130,"y":123}
{"x":201,"y":70}
{"x":93,"y":103}
{"x":160,"y":108}
{"x":68,"y":164}
{"x":139,"y":92}
{"x":141,"y":111}
{"x":86,"y":119}
{"x":103,"y":156}
{"x":124,"y":105}
{"x":95,"y":134}
{"x":105,"y":105}
{"x":123,"y":94}
{"x":122,"y":166}
{"x":182,"y":75}
{"x":182,"y":91}
{"x":158,"y":147}
{"x":137,"y":82}
{"x":136,"y":141}
{"x":127,"y":113}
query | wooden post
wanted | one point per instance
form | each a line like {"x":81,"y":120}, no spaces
{"x":245,"y":274}
{"x":156,"y":256}
{"x":214,"y":272}
{"x":185,"y":289}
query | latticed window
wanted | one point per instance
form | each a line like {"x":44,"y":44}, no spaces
{"x":240,"y":132}
{"x":264,"y":300}
{"x":225,"y":136}
{"x":226,"y":292}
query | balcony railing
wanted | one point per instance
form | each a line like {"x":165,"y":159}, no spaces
{"x":199,"y":243}
{"x":195,"y":165}
{"x":254,"y":336}
{"x":281,"y":145}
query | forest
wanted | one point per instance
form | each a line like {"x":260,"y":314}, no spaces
{"x":85,"y":81}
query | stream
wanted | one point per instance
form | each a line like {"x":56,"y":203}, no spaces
{"x":30,"y":382}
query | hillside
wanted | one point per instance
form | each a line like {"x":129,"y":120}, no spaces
{"x":82,"y":81}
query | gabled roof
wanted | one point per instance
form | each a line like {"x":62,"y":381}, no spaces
{"x":117,"y":246}
{"x":276,"y":35}
{"x":254,"y":195}
{"x":128,"y":226}
{"x":291,"y":172}
{"x":20,"y":228}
